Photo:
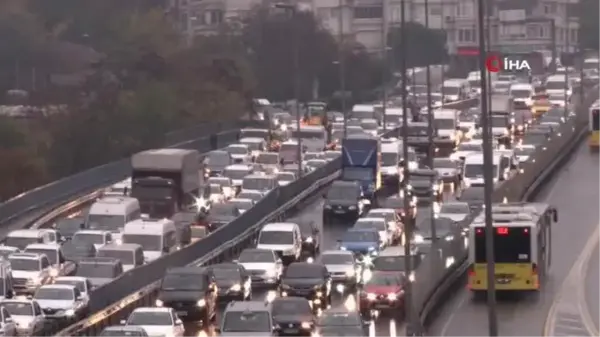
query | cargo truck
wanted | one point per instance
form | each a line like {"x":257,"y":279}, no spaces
{"x":361,"y":161}
{"x":165,"y":181}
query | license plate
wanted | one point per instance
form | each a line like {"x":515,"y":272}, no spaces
{"x":291,"y":330}
{"x":339,"y":211}
{"x":381,"y":306}
{"x":182,"y":313}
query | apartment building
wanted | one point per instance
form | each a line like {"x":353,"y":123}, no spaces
{"x":514,"y":25}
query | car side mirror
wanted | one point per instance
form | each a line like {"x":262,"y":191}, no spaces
{"x":236,"y":261}
{"x":555,"y":215}
{"x":122,"y":322}
{"x":316,"y":231}
{"x":217,"y":329}
{"x":279,"y":261}
{"x":179,"y":322}
{"x":9,"y":293}
{"x":8,"y":320}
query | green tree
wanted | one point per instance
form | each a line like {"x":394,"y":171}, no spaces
{"x":588,"y":29}
{"x":424,"y":46}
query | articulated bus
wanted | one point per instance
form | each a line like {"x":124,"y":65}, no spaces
{"x":522,"y":247}
{"x":594,"y":125}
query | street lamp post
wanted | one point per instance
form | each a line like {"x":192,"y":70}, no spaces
{"x":430,"y":121}
{"x":342,"y":64}
{"x":566,"y":98}
{"x":385,"y":58}
{"x":487,"y":177}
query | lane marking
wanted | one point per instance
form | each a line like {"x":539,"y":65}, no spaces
{"x":570,"y":313}
{"x":461,"y":300}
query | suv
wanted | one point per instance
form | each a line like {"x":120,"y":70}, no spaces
{"x":192,"y":291}
{"x":252,"y":318}
{"x":344,"y":199}
{"x":29,"y":270}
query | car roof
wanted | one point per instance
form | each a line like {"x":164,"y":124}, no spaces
{"x":57,"y":286}
{"x":279,"y":226}
{"x":336,"y":252}
{"x":248,"y":306}
{"x":153,"y":309}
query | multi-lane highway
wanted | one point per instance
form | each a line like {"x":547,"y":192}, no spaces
{"x":575,"y":194}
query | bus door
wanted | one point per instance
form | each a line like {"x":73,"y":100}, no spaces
{"x":594,"y":141}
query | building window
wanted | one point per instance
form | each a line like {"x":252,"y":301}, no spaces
{"x":213,"y":17}
{"x":464,"y":9}
{"x":550,"y":8}
{"x":435,"y":10}
{"x":368,"y":12}
{"x":573,"y":36}
{"x":466,"y":35}
{"x":324,"y":13}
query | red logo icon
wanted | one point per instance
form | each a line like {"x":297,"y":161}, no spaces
{"x":493,"y":64}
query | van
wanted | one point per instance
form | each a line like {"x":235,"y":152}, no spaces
{"x":473,"y":169}
{"x":361,"y":111}
{"x":284,"y":238}
{"x":157,"y":237}
{"x":99,"y":270}
{"x":260,"y":182}
{"x":21,"y":238}
{"x":131,"y":255}
{"x":456,"y":89}
{"x":522,"y":95}
{"x":556,"y":85}
{"x":112,"y":213}
{"x":391,"y":157}
{"x":215,"y":162}
{"x":446,"y":124}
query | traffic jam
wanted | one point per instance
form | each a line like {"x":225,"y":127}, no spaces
{"x":298,"y":279}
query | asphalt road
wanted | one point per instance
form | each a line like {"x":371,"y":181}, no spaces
{"x":382,"y":326}
{"x":575,"y":194}
{"x":592,"y":288}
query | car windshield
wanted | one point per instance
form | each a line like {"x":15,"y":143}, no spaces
{"x":125,"y":256}
{"x":276,"y":238}
{"x":105,"y":222}
{"x":524,"y":151}
{"x":556,"y":85}
{"x":247,"y":321}
{"x":225,"y":182}
{"x":501,"y":85}
{"x":307,"y":134}
{"x":470,"y":147}
{"x":214,"y":189}
{"x":96,"y":270}
{"x":149,"y":242}
{"x":451,"y":90}
{"x":122,"y":333}
{"x":366,"y":224}
{"x":267,"y":158}
{"x":150,"y":318}
{"x":68,"y":227}
{"x":221,"y":210}
{"x":256,"y":256}
{"x":241,"y":204}
{"x":304,"y":271}
{"x":312,"y":155}
{"x":254,"y":133}
{"x":337,"y":259}
{"x":54,"y":294}
{"x":257,"y":184}
{"x":51,"y":254}
{"x":342,"y":193}
{"x":237,"y":149}
{"x":417,"y":130}
{"x":449,"y":208}
{"x":235,"y":173}
{"x":360,"y":236}
{"x":316,"y":162}
{"x":520,"y":93}
{"x":444,"y":123}
{"x":444,"y":163}
{"x":394,"y":263}
{"x":89,"y":238}
{"x":182,"y":281}
{"x":80,"y":285}
{"x":19,"y":242}
{"x":252,"y":145}
{"x":250,"y":195}
{"x":339,"y":319}
{"x":499,"y":122}
{"x":370,"y":125}
{"x":24,"y":264}
{"x":383,"y":279}
{"x":18,"y":308}
{"x":222,"y":274}
{"x":475,"y":83}
{"x":556,"y":97}
{"x":392,"y":118}
{"x":218,"y":159}
{"x":285,"y":176}
{"x":443,"y":227}
{"x":390,"y":158}
{"x":476,"y":170}
{"x":287,"y":306}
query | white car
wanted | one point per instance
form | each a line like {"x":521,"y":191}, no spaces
{"x":342,"y":266}
{"x":240,"y":153}
{"x":394,"y":222}
{"x":228,"y":190}
{"x":465,"y":149}
{"x":98,"y":238}
{"x":284,"y":238}
{"x":237,"y":173}
{"x":8,"y":327}
{"x":81,"y":283}
{"x":264,"y":267}
{"x":27,"y":315}
{"x":61,"y":301}
{"x":457,"y":211}
{"x":29,"y":271}
{"x":157,"y":322}
{"x":285,"y":178}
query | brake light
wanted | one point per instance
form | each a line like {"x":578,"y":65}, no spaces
{"x":536,"y":279}
{"x":534,"y":269}
{"x":471,"y":271}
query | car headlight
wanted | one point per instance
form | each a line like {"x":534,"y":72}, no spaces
{"x":70,"y":312}
{"x":520,"y":127}
{"x":371,"y":249}
{"x":270,"y":273}
{"x":319,"y":294}
{"x":343,"y":248}
{"x":159,"y":303}
{"x":350,"y":272}
{"x":201,"y":303}
{"x":419,"y":238}
{"x":409,"y":187}
{"x":54,"y":272}
{"x":236,"y":287}
{"x":352,"y":207}
{"x":392,"y":296}
{"x":368,"y":260}
{"x":371,"y":297}
{"x":309,"y":239}
{"x":327,"y":206}
{"x":306,"y":325}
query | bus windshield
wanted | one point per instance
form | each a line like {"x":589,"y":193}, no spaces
{"x":595,"y":119}
{"x":511,"y":245}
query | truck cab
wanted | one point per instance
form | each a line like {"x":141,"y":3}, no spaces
{"x":361,"y":160}
{"x":59,"y":266}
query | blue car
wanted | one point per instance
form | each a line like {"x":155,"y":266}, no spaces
{"x":363,"y":242}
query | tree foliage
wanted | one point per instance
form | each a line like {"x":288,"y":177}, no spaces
{"x":589,"y":30}
{"x":423,"y":45}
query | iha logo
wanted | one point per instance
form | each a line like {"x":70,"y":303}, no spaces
{"x":495,"y":64}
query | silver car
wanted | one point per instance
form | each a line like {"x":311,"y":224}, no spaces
{"x":8,"y":327}
{"x":343,"y":268}
{"x":457,"y":211}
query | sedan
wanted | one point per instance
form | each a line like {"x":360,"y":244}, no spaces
{"x":457,"y":211}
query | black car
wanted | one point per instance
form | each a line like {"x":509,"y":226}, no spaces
{"x":191,"y":291}
{"x":445,"y":228}
{"x":473,"y":196}
{"x":397,"y":202}
{"x":75,"y":251}
{"x":343,"y":200}
{"x":309,"y":280}
{"x":67,"y":227}
{"x":311,"y":237}
{"x":233,"y":281}
{"x":425,"y":184}
{"x":536,"y":137}
{"x":222,"y":214}
{"x":293,"y":316}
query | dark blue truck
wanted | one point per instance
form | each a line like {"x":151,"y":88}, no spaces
{"x":361,"y":160}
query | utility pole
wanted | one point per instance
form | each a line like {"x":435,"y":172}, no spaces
{"x":443,"y":29}
{"x":342,"y":64}
{"x":488,"y":35}
{"x":487,"y":177}
{"x":384,"y":52}
{"x":566,"y":96}
{"x":430,"y":121}
{"x":408,"y":305}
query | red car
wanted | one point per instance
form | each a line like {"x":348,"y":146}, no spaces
{"x":383,"y":292}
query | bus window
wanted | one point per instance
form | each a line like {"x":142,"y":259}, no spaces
{"x":511,"y":245}
{"x":595,"y":119}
